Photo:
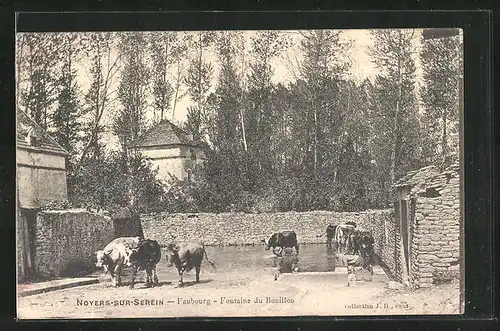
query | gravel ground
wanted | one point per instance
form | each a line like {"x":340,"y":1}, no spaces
{"x":240,"y":295}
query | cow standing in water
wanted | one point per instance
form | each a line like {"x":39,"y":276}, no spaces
{"x":343,"y":234}
{"x":145,"y":257}
{"x":282,"y":240}
{"x":113,"y":256}
{"x":186,"y":256}
{"x":361,"y":243}
{"x":330,"y":234}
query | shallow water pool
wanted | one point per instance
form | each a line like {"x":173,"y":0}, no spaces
{"x":312,"y":257}
{"x":246,"y":262}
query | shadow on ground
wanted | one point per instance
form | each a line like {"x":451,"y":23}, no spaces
{"x":191,"y":283}
{"x":142,"y":284}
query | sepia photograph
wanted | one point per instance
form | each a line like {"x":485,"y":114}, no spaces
{"x":239,"y":173}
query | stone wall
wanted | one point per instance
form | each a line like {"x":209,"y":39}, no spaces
{"x":247,"y":229}
{"x":66,"y":241}
{"x":436,"y":243}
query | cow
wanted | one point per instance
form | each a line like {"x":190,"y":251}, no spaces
{"x":186,"y":256}
{"x":356,"y":265}
{"x":330,"y":234}
{"x":351,"y":223}
{"x":361,"y":243}
{"x":145,"y":257}
{"x":343,"y":235}
{"x":282,"y":240}
{"x":112,"y":257}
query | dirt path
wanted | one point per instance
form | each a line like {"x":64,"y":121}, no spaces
{"x":249,"y":294}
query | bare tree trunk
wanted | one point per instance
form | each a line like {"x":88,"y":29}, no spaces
{"x":131,"y":195}
{"x":242,"y":111}
{"x":315,"y":137}
{"x":196,"y":134}
{"x":444,"y":142}
{"x":392,"y":170}
{"x":243,"y":129}
{"x":19,"y":61}
{"x":95,"y":128}
{"x":177,"y":86}
{"x":162,"y":113}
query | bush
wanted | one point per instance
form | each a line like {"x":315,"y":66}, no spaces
{"x":107,"y":182}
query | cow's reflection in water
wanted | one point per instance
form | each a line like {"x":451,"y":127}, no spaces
{"x":331,"y":254}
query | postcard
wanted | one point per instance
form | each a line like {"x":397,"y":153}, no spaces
{"x":170,"y":174}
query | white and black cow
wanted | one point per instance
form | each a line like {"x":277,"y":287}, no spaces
{"x":112,"y":257}
{"x":186,"y":256}
{"x":343,"y":235}
{"x":145,"y":257}
{"x":361,"y":243}
{"x":281,"y":240}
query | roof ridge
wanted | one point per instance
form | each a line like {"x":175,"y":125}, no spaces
{"x":39,"y":128}
{"x":180,"y":130}
{"x":164,"y":132}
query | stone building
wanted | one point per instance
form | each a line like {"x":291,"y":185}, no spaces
{"x":40,"y":178}
{"x":171,"y":150}
{"x":428,"y":227}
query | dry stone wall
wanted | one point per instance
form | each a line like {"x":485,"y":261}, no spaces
{"x":436,"y":243}
{"x":66,"y":241}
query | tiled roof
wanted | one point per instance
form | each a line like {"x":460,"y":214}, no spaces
{"x":428,"y":176}
{"x":451,"y":171}
{"x":163,"y":134}
{"x":415,"y":177}
{"x":45,"y":142}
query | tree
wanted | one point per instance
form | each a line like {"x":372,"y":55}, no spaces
{"x":130,"y":120}
{"x":167,"y":49}
{"x":37,"y":57}
{"x":104,"y":65}
{"x":198,"y":81}
{"x":395,"y":109}
{"x":259,"y":119}
{"x":224,"y":171}
{"x":317,"y":79}
{"x":102,"y":183}
{"x":441,"y":74}
{"x":67,"y":116}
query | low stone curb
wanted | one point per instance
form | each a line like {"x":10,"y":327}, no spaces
{"x":52,"y":286}
{"x":340,"y":271}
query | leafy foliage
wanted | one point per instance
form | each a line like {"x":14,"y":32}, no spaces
{"x":319,"y":141}
{"x":102,"y":182}
{"x":66,"y":118}
{"x":129,"y":122}
{"x":440,"y":96}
